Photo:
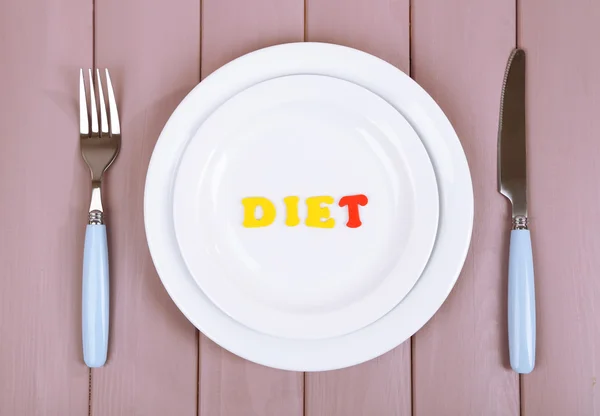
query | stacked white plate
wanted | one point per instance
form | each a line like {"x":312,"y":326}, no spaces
{"x":308,"y":207}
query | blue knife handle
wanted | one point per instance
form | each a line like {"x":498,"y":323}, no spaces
{"x":95,"y":301}
{"x":521,"y":303}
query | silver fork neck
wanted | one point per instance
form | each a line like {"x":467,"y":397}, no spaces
{"x":96,"y":216}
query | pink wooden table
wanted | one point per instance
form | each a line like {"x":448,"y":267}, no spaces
{"x":158,"y":363}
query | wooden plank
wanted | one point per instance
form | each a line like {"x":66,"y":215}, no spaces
{"x":43,"y":202}
{"x":381,"y":386}
{"x":563,"y":97}
{"x":230,"y":385}
{"x":153,"y":53}
{"x":379,"y":27}
{"x":460,"y":358}
{"x":231,"y":28}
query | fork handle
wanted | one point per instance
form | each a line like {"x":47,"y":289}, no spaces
{"x":95,"y":296}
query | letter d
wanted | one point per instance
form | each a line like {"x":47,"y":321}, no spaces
{"x":250,"y":204}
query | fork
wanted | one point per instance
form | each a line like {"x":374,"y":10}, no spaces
{"x":100,"y":145}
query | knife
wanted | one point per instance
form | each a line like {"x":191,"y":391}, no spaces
{"x":512,"y":183}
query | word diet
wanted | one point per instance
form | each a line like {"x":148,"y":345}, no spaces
{"x":317,"y":214}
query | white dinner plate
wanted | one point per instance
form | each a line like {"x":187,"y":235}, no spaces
{"x":454,"y":188}
{"x":242,"y":217}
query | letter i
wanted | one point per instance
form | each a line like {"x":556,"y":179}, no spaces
{"x":291,"y":206}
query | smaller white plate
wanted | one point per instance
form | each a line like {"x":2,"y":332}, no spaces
{"x":305,"y":136}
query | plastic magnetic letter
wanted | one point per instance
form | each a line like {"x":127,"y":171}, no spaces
{"x":291,"y":206}
{"x":352,"y":202}
{"x":317,"y":215}
{"x":250,"y":205}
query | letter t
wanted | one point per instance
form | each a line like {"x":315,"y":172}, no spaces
{"x":353,"y":201}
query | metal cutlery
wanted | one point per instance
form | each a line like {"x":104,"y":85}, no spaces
{"x":100,"y":141}
{"x":512,"y":183}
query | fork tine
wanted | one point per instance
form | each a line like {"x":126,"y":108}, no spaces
{"x":84,"y":123}
{"x":93,"y":109}
{"x":103,"y":118}
{"x":115,"y":126}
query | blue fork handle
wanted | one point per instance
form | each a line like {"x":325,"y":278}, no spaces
{"x":521,"y":303}
{"x":95,"y":296}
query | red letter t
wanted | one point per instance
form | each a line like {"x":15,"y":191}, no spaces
{"x":353,"y":201}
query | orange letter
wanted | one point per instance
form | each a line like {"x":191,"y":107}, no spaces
{"x":353,"y":201}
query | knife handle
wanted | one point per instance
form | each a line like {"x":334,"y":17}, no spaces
{"x":521,"y":302}
{"x":95,"y":296}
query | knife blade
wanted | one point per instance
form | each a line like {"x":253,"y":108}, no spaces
{"x":512,"y":183}
{"x":512,"y":164}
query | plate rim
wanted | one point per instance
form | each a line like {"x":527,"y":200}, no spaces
{"x":313,"y":357}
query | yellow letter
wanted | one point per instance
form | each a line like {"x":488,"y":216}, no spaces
{"x":250,"y":205}
{"x":316,"y":212}
{"x":291,"y":205}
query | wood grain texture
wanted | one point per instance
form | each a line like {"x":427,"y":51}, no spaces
{"x":379,"y":27}
{"x":381,"y":386}
{"x":460,"y":358}
{"x":231,"y":28}
{"x":43,"y":207}
{"x":563,"y":102}
{"x":229,"y":385}
{"x":153,"y":53}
